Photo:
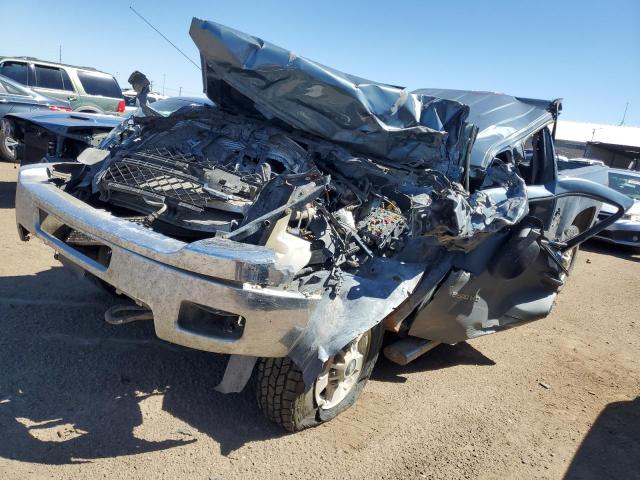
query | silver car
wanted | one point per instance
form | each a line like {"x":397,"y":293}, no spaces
{"x":626,"y":230}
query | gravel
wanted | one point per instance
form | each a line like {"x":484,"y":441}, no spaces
{"x":83,"y":399}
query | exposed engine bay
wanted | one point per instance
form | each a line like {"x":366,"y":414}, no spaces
{"x":204,"y":173}
{"x":207,"y":172}
{"x":326,"y":169}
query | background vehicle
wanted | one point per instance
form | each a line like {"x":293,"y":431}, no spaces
{"x":565,"y":163}
{"x":62,"y":136}
{"x":16,"y":98}
{"x":172,"y":104}
{"x":130,"y":99}
{"x":625,"y":231}
{"x":86,"y":89}
{"x":56,"y":136}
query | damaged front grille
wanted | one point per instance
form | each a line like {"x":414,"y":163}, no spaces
{"x":177,"y":189}
{"x":156,"y":181}
{"x":206,"y":182}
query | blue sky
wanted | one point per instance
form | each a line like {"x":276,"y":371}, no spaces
{"x":587,"y":52}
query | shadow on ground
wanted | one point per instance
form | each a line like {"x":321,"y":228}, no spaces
{"x":608,"y":449}
{"x":443,"y":356}
{"x":71,"y":385}
{"x":618,"y":251}
{"x":7,"y":194}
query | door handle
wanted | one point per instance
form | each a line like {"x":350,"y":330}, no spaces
{"x":72,"y":98}
{"x":4,"y":100}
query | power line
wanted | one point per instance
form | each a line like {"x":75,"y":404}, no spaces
{"x":180,"y":91}
{"x":163,"y":36}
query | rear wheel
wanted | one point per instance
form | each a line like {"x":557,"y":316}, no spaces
{"x":281,"y":391}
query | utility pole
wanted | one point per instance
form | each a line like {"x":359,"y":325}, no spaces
{"x":60,"y":53}
{"x":180,"y":91}
{"x":624,"y":115}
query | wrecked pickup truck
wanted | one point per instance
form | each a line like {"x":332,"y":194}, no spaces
{"x":312,"y":211}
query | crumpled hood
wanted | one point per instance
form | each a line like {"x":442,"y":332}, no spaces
{"x":248,"y":74}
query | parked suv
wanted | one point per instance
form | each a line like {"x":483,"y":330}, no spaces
{"x":86,"y":89}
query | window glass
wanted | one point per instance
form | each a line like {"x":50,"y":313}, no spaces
{"x":48,"y":77}
{"x":528,"y":151}
{"x":16,"y":89}
{"x":97,"y":84}
{"x":16,"y":70}
{"x":537,"y":167}
{"x":527,"y":158}
{"x":627,"y":184}
{"x":66,"y":81}
{"x":505,"y":156}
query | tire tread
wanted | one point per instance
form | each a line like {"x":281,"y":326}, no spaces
{"x":278,"y":383}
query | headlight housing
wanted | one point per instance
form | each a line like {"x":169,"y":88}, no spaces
{"x":634,"y":217}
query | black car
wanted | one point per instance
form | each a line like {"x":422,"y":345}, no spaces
{"x":17,"y":98}
{"x":61,"y":136}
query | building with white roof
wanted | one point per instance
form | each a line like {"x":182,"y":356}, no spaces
{"x":616,"y":145}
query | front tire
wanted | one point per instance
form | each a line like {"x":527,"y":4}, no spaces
{"x":281,"y":391}
{"x":7,"y":152}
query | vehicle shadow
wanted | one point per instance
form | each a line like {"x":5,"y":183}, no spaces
{"x":74,"y":389}
{"x":603,"y":248}
{"x":442,"y":356}
{"x":611,"y":449}
{"x":7,"y":194}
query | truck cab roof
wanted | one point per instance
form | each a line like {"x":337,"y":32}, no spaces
{"x":501,"y":119}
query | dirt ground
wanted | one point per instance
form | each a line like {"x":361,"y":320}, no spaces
{"x":558,"y":398}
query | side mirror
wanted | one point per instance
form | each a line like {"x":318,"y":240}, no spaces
{"x":139,"y":82}
{"x":519,"y":252}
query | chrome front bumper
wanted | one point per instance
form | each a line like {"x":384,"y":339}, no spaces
{"x":163,"y":273}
